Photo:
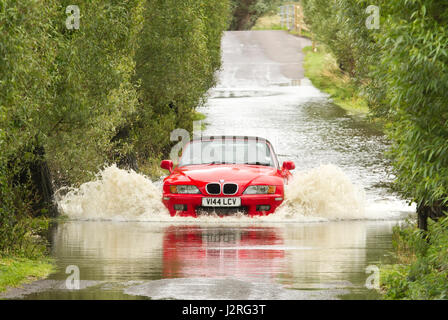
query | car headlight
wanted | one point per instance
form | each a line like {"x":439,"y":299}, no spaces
{"x":260,"y":190}
{"x":184,"y":189}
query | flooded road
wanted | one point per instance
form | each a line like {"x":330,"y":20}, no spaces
{"x":338,"y":220}
{"x":216,"y":260}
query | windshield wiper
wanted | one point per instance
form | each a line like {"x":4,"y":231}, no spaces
{"x":259,"y":163}
{"x":267,"y":164}
{"x":217,"y":162}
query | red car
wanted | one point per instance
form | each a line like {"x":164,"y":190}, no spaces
{"x":191,"y":251}
{"x":225,"y":175}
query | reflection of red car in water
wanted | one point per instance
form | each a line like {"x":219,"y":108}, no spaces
{"x":226,"y":175}
{"x":192,"y":251}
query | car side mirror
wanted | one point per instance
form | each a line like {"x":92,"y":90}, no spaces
{"x":288,"y":165}
{"x":167,"y":165}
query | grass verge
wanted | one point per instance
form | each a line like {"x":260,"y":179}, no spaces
{"x":321,"y":68}
{"x":268,"y":22}
{"x":18,"y":271}
{"x":421,"y":268}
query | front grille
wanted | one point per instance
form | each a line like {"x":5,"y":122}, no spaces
{"x":230,"y":188}
{"x":221,"y":211}
{"x":213,"y":188}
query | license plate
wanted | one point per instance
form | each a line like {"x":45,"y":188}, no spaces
{"x":211,"y":236}
{"x":221,"y":202}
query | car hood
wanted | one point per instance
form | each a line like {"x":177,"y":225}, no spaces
{"x":241,"y":174}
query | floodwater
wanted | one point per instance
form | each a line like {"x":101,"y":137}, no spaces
{"x":336,"y":226}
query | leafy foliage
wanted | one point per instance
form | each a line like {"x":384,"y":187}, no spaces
{"x":73,"y":100}
{"x":179,"y":52}
{"x":402,"y":69}
{"x":424,"y":276}
{"x":246,"y":12}
{"x":415,"y":71}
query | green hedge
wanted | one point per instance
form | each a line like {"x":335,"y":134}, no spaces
{"x":74,"y":100}
{"x":422,"y":271}
{"x":402,"y":70}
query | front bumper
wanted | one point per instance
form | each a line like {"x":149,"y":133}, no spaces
{"x":193,"y":203}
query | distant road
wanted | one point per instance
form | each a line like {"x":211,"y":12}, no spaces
{"x":261,"y":58}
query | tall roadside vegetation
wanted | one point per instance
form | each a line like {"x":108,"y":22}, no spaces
{"x":421,"y":270}
{"x":402,"y":70}
{"x":246,"y":12}
{"x":72,"y":100}
{"x":178,"y":55}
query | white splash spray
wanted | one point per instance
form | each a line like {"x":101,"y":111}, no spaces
{"x":324,"y":192}
{"x":115,"y":194}
{"x":321,"y":194}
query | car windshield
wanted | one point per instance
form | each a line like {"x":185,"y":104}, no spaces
{"x":228,"y":151}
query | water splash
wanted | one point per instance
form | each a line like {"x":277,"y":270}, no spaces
{"x":325,"y":192}
{"x":115,"y":194}
{"x":320,"y":194}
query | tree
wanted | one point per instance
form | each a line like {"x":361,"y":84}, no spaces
{"x":246,"y":12}
{"x":178,"y":55}
{"x":403,"y":70}
{"x":73,"y":100}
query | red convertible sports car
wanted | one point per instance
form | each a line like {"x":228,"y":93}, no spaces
{"x":225,"y":175}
